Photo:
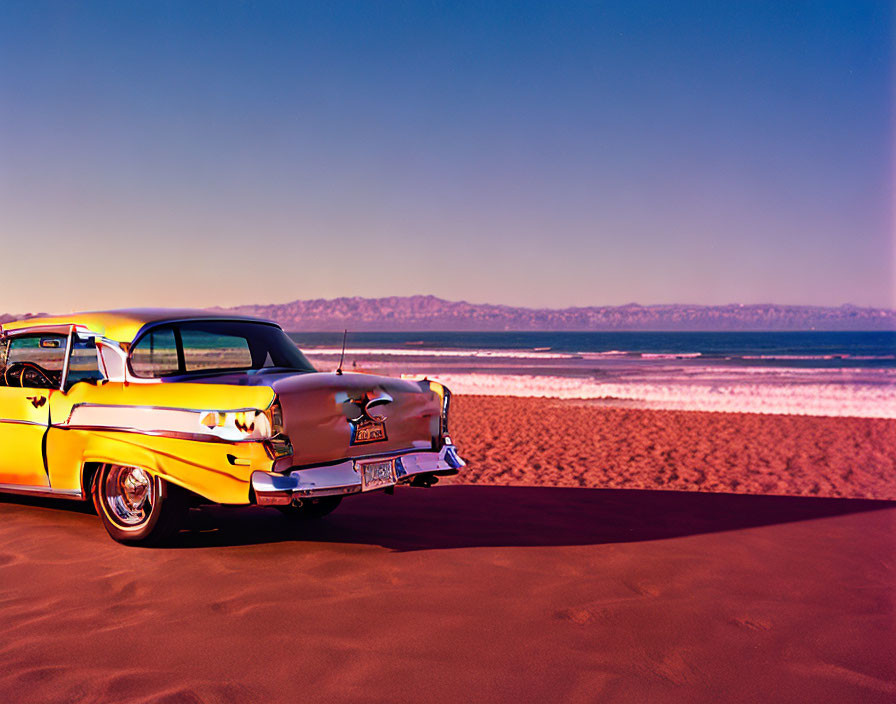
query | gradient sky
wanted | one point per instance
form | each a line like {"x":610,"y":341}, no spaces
{"x":541,"y":154}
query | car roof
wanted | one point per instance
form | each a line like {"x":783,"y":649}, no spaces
{"x":123,"y":325}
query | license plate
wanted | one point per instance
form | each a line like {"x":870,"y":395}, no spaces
{"x":375,"y":475}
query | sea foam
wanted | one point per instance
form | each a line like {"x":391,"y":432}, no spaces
{"x":815,"y":398}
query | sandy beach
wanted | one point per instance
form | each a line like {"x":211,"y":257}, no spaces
{"x":552,"y":442}
{"x":588,"y":554}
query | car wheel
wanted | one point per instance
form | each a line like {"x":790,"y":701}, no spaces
{"x":312,"y":508}
{"x":135,"y":506}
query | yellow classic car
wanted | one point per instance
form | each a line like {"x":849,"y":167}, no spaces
{"x":150,"y":412}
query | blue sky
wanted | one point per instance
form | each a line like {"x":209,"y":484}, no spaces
{"x":541,"y":154}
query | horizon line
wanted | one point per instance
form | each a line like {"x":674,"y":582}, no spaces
{"x":736,"y":304}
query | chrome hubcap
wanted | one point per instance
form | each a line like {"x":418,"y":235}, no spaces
{"x":129,"y":495}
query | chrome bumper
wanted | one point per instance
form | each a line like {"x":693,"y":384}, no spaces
{"x":272,"y":489}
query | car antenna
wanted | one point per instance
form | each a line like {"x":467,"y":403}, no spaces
{"x":342,"y":356}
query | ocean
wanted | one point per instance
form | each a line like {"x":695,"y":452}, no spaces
{"x":811,"y":349}
{"x":813,"y":372}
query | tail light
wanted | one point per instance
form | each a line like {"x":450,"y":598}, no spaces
{"x":445,"y":401}
{"x":278,"y":445}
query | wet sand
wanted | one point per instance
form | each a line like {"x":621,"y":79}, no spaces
{"x":484,"y":592}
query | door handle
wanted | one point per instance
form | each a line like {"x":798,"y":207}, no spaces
{"x":37,"y":401}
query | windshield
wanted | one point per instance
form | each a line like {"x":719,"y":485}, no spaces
{"x":208,"y":346}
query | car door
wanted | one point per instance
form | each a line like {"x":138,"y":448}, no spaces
{"x":32,"y":367}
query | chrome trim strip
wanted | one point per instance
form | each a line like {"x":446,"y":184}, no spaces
{"x":154,"y":433}
{"x":89,"y":404}
{"x":41,"y":491}
{"x":22,"y":422}
{"x":201,"y":436}
{"x":68,"y":355}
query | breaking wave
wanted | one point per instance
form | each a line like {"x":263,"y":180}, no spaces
{"x":814,"y":398}
{"x":421,"y":352}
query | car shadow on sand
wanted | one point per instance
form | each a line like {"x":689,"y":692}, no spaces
{"x":501,"y":516}
{"x":463,"y":516}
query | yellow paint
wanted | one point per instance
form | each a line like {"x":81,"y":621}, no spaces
{"x":21,"y":459}
{"x":200,"y":466}
{"x":218,"y":471}
{"x":438,"y":389}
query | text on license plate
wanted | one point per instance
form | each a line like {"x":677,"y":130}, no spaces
{"x":377,"y":474}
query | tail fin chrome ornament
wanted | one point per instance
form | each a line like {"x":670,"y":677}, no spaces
{"x":366,"y":424}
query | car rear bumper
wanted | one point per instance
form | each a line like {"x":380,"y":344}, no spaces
{"x":274,"y":489}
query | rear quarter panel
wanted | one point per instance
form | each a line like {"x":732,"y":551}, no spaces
{"x":216,"y":470}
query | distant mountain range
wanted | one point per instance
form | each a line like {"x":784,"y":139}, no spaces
{"x":418,"y":313}
{"x":408,"y":313}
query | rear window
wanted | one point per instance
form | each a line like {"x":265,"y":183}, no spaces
{"x":200,"y":347}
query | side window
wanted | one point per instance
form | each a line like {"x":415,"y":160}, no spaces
{"x":211,"y":350}
{"x":155,"y":354}
{"x":83,"y":364}
{"x":34,"y":361}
